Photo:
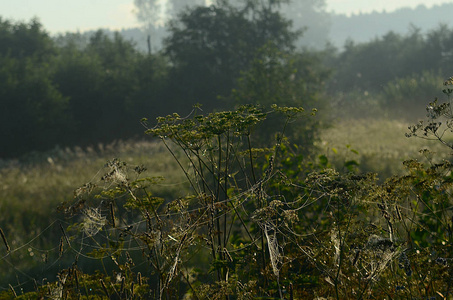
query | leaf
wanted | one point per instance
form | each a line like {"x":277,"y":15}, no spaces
{"x":355,"y":151}
{"x":350,"y":164}
{"x":323,"y":160}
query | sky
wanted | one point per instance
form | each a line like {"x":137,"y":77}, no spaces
{"x":59,"y":16}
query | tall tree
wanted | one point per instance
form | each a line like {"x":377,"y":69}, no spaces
{"x":33,"y":113}
{"x":22,"y":39}
{"x":174,"y":7}
{"x":210,"y":46}
{"x":149,"y":12}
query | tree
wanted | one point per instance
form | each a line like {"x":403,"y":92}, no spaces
{"x":369,"y":66}
{"x":33,"y":114}
{"x":100,"y":82}
{"x":148,"y":11}
{"x":175,"y":7}
{"x":295,"y":80}
{"x":209,"y":46}
{"x":20,"y":40}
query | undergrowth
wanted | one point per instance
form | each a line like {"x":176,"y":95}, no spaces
{"x":257,"y":223}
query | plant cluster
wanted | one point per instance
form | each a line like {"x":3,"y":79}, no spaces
{"x":259,"y":222}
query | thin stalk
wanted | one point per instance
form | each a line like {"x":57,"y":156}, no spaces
{"x":251,"y":158}
{"x":219,"y":174}
{"x":201,"y":171}
{"x":179,"y":163}
{"x":260,"y":204}
{"x":225,"y":189}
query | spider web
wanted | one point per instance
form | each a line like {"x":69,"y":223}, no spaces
{"x":81,"y":239}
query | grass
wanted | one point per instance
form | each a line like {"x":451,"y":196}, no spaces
{"x":31,"y":190}
{"x":378,"y":145}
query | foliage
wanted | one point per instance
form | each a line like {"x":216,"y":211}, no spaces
{"x":72,"y":95}
{"x":312,"y":17}
{"x":255,"y":221}
{"x":368,"y":66}
{"x":21,"y":40}
{"x":262,"y":222}
{"x":97,"y":89}
{"x":32,"y":106}
{"x":176,"y":236}
{"x":209,"y":46}
{"x":412,"y":90}
{"x":100,"y":82}
{"x":31,"y":191}
{"x":278,"y":78}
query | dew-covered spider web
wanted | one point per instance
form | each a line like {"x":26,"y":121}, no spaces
{"x":101,"y":230}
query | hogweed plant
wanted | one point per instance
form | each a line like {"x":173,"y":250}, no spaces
{"x":229,"y":193}
{"x":223,"y":240}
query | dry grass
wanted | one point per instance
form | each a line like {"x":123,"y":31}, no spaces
{"x":381,"y":145}
{"x":31,"y":191}
{"x":52,"y":177}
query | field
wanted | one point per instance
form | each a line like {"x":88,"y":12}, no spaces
{"x":379,"y":145}
{"x":32,"y":190}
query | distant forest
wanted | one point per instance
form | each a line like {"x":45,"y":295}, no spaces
{"x":364,"y":27}
{"x":321,"y":28}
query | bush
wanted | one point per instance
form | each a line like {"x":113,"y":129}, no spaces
{"x":408,"y":95}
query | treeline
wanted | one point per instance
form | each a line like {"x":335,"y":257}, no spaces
{"x":69,"y":96}
{"x":399,"y":73}
{"x":371,"y":65}
{"x":61,"y":92}
{"x":362,"y":27}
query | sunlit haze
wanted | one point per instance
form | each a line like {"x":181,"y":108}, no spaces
{"x":61,"y":16}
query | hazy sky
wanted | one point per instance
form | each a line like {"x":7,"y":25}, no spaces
{"x":60,"y":16}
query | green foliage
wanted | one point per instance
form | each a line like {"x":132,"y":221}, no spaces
{"x":100,"y":82}
{"x":206,"y":226}
{"x":369,"y":66}
{"x":33,"y":108}
{"x":73,"y":95}
{"x":262,"y":222}
{"x":21,"y":40}
{"x":255,"y":221}
{"x":209,"y":46}
{"x":278,"y":78}
{"x":83,"y":92}
{"x":412,"y":91}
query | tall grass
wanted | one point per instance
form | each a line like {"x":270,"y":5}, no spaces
{"x":33,"y":188}
{"x":378,"y":145}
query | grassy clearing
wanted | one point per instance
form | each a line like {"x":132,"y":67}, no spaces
{"x":381,"y":145}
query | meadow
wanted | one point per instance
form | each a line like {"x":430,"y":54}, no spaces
{"x":34,"y":191}
{"x":379,"y":145}
{"x":240,"y":198}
